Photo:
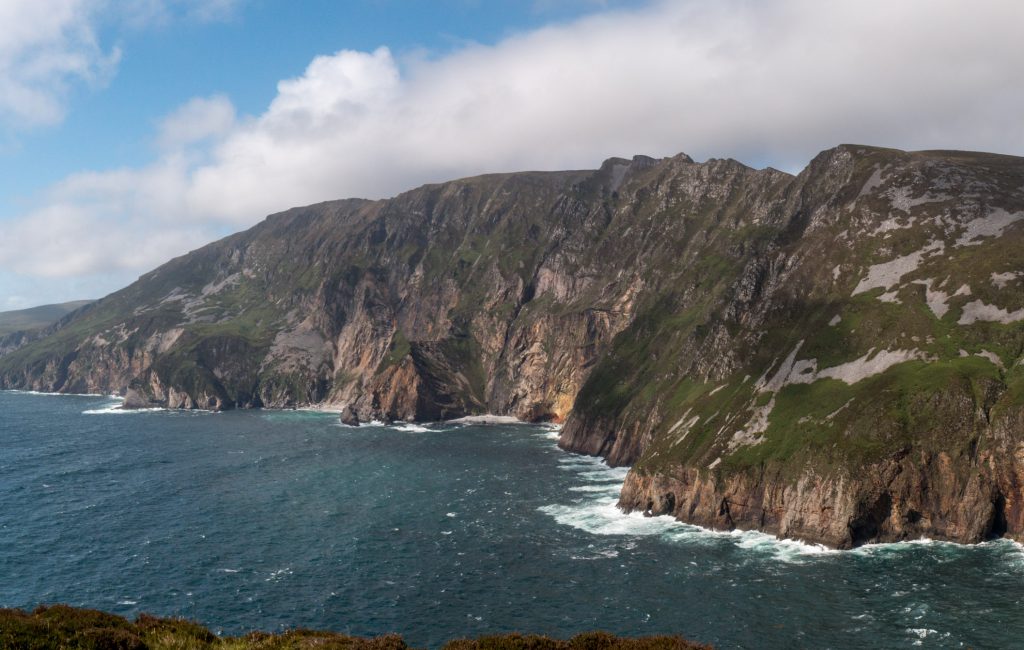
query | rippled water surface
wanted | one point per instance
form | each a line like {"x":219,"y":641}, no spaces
{"x":264,"y":520}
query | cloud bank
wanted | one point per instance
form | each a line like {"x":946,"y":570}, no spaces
{"x":765,"y":82}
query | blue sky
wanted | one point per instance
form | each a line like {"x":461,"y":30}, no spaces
{"x":242,"y":52}
{"x":132,"y":131}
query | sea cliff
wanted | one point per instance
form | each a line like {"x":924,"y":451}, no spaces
{"x":833,"y":356}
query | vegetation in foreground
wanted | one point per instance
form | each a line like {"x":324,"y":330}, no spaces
{"x":70,"y":628}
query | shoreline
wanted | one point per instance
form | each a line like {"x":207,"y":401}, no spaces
{"x":325,"y":407}
{"x":807,"y":547}
{"x":329,"y":408}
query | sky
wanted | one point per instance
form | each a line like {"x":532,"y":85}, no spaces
{"x":133,"y":131}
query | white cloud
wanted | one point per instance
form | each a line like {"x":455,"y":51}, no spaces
{"x":44,"y":47}
{"x":764,"y":82}
{"x":211,"y":10}
{"x":146,"y":13}
{"x":198,"y":120}
{"x":49,"y":46}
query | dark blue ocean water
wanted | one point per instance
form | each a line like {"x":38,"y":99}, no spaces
{"x":266,"y":520}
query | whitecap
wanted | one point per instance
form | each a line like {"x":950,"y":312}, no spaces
{"x":127,"y":602}
{"x":921,"y":632}
{"x":275,"y":576}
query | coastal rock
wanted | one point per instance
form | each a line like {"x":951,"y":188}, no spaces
{"x":907,"y":498}
{"x":348,"y":416}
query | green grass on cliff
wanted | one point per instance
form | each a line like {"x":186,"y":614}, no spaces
{"x":36,"y":317}
{"x":972,"y":383}
{"x":68,"y":628}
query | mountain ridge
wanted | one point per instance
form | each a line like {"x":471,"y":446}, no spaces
{"x":833,"y":356}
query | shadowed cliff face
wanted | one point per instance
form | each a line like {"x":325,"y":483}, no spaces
{"x":834,"y":356}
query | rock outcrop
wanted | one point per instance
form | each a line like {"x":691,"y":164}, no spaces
{"x":834,"y":356}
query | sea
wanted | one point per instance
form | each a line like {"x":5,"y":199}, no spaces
{"x":270,"y":520}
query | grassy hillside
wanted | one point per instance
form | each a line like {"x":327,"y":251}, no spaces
{"x":36,"y":317}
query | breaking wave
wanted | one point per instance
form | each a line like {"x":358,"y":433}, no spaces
{"x":410,"y":427}
{"x":46,"y":394}
{"x":596,"y":511}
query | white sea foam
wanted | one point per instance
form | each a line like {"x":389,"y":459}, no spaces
{"x":486,"y":419}
{"x":579,"y":468}
{"x":113,"y":408}
{"x":900,"y":547}
{"x":331,"y":409}
{"x":409,"y":427}
{"x":617,"y":475}
{"x":922,"y":633}
{"x":596,"y":512}
{"x":600,"y":487}
{"x":127,"y":602}
{"x":579,"y":459}
{"x":371,"y":423}
{"x":783,"y":549}
{"x":38,"y":392}
{"x":118,"y":409}
{"x":276,"y":576}
{"x":601,"y":516}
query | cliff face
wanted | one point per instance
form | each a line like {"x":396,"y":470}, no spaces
{"x":490,"y":294}
{"x":859,"y":380}
{"x":834,"y":356}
